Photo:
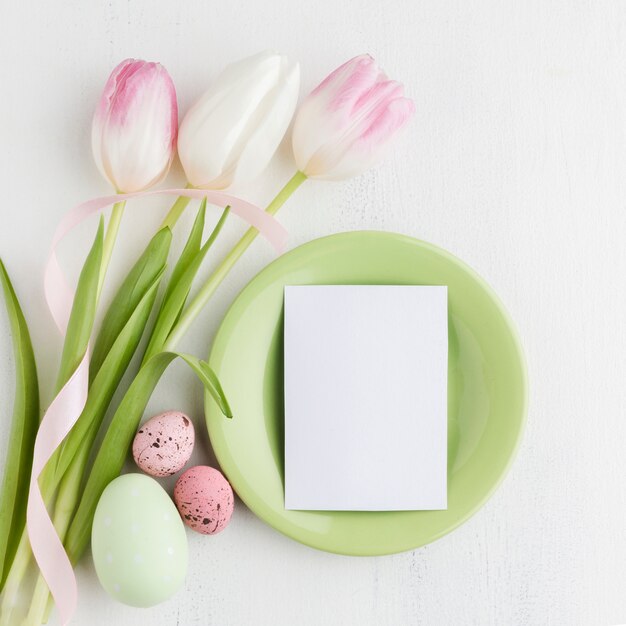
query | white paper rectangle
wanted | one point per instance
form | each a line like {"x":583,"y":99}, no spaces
{"x":366,"y":397}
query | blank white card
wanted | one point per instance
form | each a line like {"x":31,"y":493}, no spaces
{"x":366,"y":397}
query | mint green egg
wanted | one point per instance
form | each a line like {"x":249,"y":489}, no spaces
{"x":138,"y":542}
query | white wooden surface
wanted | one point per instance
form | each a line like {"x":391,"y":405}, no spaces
{"x":516,"y":162}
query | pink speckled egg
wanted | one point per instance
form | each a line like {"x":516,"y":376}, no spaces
{"x":204,"y":499}
{"x":164,"y":443}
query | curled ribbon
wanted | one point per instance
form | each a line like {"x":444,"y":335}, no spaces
{"x":67,"y":406}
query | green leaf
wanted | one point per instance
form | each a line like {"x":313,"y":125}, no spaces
{"x":131,"y":292}
{"x":14,"y":490}
{"x":210,"y":381}
{"x":181,"y":281}
{"x":104,"y":385}
{"x":110,"y":458}
{"x":83,"y":312}
{"x":192,"y":247}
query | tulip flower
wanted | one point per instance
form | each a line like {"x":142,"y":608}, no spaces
{"x":344,"y":126}
{"x":231,"y":133}
{"x":133,"y":134}
{"x":135,"y":125}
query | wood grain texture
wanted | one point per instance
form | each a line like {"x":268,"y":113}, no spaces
{"x":516,"y":162}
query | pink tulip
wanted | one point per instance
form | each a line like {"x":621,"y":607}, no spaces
{"x":135,"y":126}
{"x":345,"y":124}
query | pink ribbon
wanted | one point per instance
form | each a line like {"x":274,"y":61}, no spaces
{"x":66,"y":408}
{"x":59,"y":296}
{"x":46,"y":545}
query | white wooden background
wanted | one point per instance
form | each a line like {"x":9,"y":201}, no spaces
{"x":516,"y":162}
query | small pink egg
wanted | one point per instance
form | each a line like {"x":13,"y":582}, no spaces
{"x":204,"y":499}
{"x":164,"y":444}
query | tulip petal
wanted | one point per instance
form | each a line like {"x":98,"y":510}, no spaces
{"x":218,"y":133}
{"x":135,"y":126}
{"x":271,"y":125}
{"x":369,"y":106}
{"x":345,"y":123}
{"x":372,"y":145}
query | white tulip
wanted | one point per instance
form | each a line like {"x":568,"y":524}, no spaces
{"x":231,"y":133}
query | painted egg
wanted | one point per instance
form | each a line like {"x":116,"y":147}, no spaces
{"x":138,"y":542}
{"x":164,"y":444}
{"x":204,"y":499}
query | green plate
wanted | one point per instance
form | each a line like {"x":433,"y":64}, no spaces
{"x":486,"y":390}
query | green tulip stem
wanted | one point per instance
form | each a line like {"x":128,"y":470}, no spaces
{"x":109,"y":239}
{"x":214,"y":281}
{"x":12,"y":585}
{"x":114,"y":225}
{"x":176,"y":211}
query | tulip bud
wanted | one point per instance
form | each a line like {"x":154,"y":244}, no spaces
{"x":232,"y":132}
{"x":135,"y":125}
{"x":347,"y":121}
